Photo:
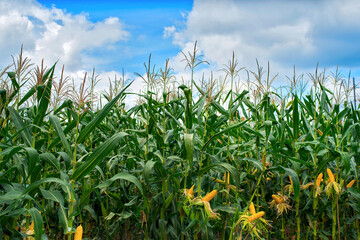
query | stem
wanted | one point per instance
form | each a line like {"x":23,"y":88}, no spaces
{"x":298,"y":229}
{"x":337,"y":212}
{"x":162,"y":224}
{"x":72,"y":199}
{"x":333,"y":234}
{"x":282,"y":193}
{"x":314,"y":216}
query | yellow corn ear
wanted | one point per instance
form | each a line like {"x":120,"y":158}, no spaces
{"x":227,"y":175}
{"x":319,"y":179}
{"x":331,"y":175}
{"x":263,"y":159}
{"x":78,"y":233}
{"x":31,"y":228}
{"x":209,"y":196}
{"x":277,"y":199}
{"x":219,"y":181}
{"x":191,"y":190}
{"x":252,"y":208}
{"x":256,"y":216}
{"x":320,"y":132}
{"x":350,"y":184}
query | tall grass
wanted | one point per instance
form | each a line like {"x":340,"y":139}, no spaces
{"x":196,"y":161}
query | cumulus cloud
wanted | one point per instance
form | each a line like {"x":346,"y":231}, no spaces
{"x":54,"y":34}
{"x":169,"y":31}
{"x":282,"y":32}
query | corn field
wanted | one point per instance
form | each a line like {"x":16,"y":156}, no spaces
{"x":215,"y":158}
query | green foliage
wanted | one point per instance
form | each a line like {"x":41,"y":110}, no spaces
{"x":125,"y":173}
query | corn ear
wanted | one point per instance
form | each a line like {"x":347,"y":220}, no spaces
{"x":320,"y":132}
{"x":209,"y":196}
{"x":319,"y":179}
{"x":191,"y":190}
{"x":78,"y":233}
{"x":277,"y":199}
{"x":331,"y":175}
{"x":31,"y":228}
{"x":252,"y":208}
{"x":256,"y":216}
{"x":227,"y":178}
{"x":349,"y":185}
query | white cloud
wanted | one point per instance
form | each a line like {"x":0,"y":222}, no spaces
{"x":282,"y":32}
{"x":169,"y":31}
{"x":54,"y":34}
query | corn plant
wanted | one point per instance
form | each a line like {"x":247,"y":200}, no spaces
{"x":189,"y":161}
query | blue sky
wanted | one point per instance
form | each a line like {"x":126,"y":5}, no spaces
{"x":112,"y":35}
{"x":145,"y":20}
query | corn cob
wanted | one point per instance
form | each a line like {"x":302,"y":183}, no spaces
{"x":252,"y":209}
{"x":319,"y":179}
{"x":331,"y":175}
{"x":349,"y":185}
{"x":78,"y":233}
{"x":209,"y":196}
{"x":277,"y":199}
{"x":256,"y":216}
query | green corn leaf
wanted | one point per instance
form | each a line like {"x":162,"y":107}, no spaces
{"x":53,"y":195}
{"x":63,"y":218}
{"x":20,"y":126}
{"x":12,"y":77}
{"x":231,"y":127}
{"x":33,"y":159}
{"x":31,"y":92}
{"x":147,"y":170}
{"x":36,"y":184}
{"x":345,"y":159}
{"x":99,"y":117}
{"x":45,"y":98}
{"x":97,"y":156}
{"x":296,"y":118}
{"x":57,"y":126}
{"x":295,"y":179}
{"x":123,"y":176}
{"x":38,"y":223}
{"x":189,"y":147}
{"x":50,"y":159}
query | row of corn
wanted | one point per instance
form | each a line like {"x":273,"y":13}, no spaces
{"x":204,"y":159}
